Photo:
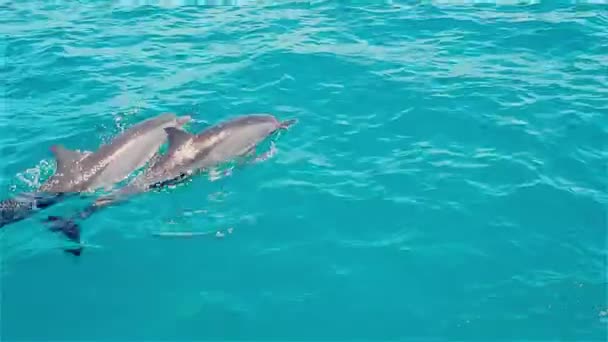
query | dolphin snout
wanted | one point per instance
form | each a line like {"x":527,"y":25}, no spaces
{"x":184,"y":119}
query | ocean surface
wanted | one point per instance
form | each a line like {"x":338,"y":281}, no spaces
{"x":446,"y":179}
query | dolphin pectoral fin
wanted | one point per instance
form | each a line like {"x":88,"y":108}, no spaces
{"x":177,"y":136}
{"x":250,"y":152}
{"x":266,"y":155}
{"x":246,"y":157}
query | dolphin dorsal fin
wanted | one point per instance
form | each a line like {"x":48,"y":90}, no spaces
{"x":177,"y":136}
{"x":66,"y":159}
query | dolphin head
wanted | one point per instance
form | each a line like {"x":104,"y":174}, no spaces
{"x":172,"y":120}
{"x":167,"y":120}
{"x":239,"y":135}
{"x":181,"y":121}
{"x":270,"y":124}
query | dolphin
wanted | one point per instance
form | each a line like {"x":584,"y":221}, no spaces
{"x":113,"y":162}
{"x":187,"y":155}
{"x":86,"y":171}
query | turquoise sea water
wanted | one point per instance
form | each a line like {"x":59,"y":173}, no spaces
{"x":446,"y":179}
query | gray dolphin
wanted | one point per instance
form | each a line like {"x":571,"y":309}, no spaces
{"x":87,"y":171}
{"x":112,"y":162}
{"x":188,"y":154}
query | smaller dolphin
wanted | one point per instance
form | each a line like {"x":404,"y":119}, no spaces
{"x":87,"y":171}
{"x":188,"y":154}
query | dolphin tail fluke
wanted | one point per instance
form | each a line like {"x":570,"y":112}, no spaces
{"x":74,"y":251}
{"x":70,"y":229}
{"x":287,"y":123}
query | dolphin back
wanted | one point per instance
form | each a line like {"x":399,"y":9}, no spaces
{"x":143,"y":127}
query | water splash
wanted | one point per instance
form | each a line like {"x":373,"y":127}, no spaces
{"x":32,"y":178}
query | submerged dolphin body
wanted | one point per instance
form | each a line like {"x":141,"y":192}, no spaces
{"x":87,"y":171}
{"x":187,"y":155}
